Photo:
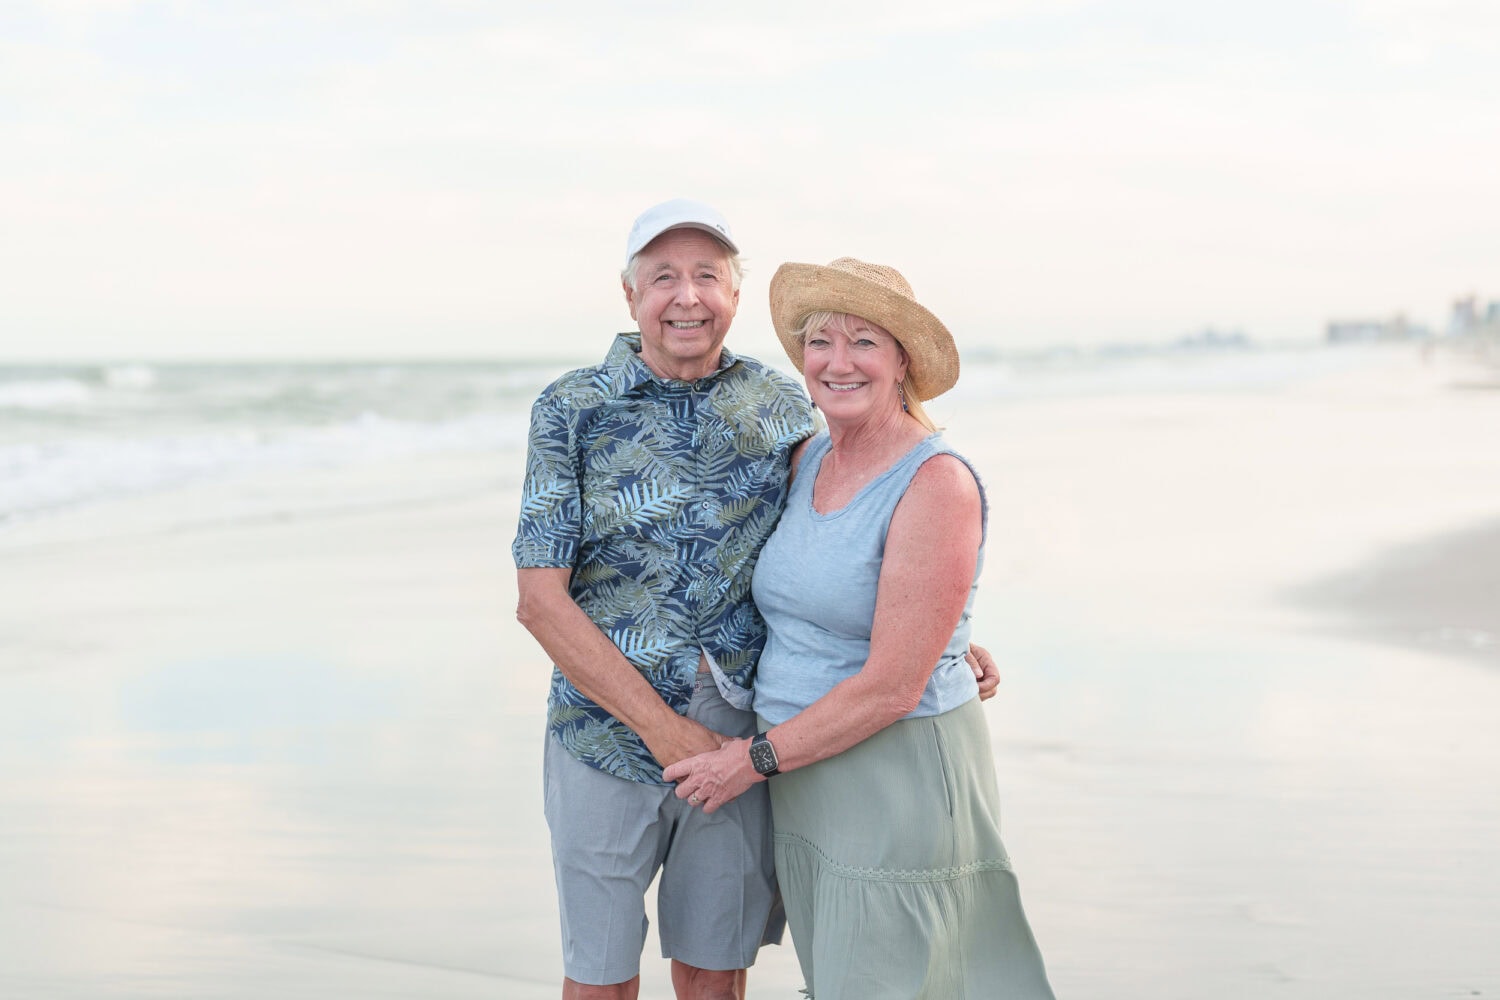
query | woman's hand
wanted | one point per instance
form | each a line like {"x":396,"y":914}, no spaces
{"x":714,"y":778}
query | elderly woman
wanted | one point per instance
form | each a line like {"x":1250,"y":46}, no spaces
{"x":882,"y":783}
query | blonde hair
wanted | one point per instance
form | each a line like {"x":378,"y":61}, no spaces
{"x":844,"y":323}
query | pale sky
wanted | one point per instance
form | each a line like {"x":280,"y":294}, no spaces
{"x":386,"y":179}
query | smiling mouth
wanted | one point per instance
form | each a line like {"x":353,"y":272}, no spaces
{"x":686,"y":324}
{"x":844,"y":386}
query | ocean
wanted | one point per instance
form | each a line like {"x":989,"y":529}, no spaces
{"x":77,"y":436}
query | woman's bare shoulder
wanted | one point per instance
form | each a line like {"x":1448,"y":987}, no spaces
{"x":945,"y":480}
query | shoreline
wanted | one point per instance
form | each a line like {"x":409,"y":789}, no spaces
{"x":1436,"y":593}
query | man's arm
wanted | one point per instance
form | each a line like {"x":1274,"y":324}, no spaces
{"x":596,"y":667}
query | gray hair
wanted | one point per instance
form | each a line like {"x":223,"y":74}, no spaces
{"x":736,"y":269}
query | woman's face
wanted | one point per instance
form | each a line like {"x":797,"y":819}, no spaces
{"x":852,"y":369}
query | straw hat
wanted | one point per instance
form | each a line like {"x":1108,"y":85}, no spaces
{"x":872,"y":292}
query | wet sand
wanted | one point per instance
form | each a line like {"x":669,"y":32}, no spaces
{"x":300,"y":756}
{"x":1439,"y":593}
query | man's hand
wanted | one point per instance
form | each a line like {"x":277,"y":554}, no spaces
{"x":680,"y":738}
{"x":985,"y":670}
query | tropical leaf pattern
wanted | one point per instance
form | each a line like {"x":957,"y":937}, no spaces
{"x":658,"y":495}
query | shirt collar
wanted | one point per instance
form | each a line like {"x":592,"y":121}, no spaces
{"x":628,"y":374}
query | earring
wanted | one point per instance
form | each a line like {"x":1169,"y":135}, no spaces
{"x":901,"y":393}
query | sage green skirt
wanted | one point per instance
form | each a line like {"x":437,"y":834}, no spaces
{"x":895,"y":880}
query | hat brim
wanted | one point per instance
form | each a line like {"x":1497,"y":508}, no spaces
{"x":702,"y":227}
{"x":798,"y":290}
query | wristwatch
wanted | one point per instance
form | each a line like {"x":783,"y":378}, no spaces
{"x":763,"y":756}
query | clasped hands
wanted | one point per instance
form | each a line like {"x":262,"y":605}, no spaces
{"x":714,"y":777}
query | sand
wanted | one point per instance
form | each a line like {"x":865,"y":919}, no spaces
{"x":1246,"y":737}
{"x":1440,"y":593}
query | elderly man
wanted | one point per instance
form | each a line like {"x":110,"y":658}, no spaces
{"x":651,"y":482}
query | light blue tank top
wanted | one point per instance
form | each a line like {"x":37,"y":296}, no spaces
{"x":815,"y":586}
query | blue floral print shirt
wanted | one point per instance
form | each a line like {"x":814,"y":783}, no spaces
{"x":658,"y":494}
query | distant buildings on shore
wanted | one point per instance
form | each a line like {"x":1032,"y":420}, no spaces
{"x":1209,"y":338}
{"x":1365,"y":331}
{"x":1467,"y":319}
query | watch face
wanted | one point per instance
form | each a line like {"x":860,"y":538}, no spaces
{"x":763,"y":756}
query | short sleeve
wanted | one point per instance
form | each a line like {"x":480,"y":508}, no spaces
{"x":551,"y":504}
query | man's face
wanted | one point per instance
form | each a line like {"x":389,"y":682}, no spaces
{"x":683,"y":302}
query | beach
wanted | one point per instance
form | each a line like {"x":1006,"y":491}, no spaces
{"x":277,"y":733}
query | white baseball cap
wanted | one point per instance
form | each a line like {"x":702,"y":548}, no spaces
{"x":679,"y":213}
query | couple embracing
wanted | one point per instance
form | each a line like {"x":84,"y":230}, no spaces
{"x":751,"y":618}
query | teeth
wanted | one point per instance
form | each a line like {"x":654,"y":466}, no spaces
{"x":844,"y":386}
{"x":683,"y":324}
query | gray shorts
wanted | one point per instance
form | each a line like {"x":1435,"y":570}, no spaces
{"x":717,"y":901}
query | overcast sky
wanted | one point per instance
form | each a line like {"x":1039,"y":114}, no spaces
{"x":296,"y":178}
